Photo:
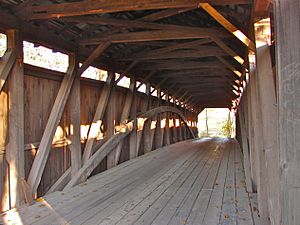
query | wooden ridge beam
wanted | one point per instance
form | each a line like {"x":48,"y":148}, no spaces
{"x":228,"y":25}
{"x":110,"y":6}
{"x":157,"y":35}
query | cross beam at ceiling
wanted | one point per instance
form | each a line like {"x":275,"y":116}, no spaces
{"x":158,"y":35}
{"x":110,"y":6}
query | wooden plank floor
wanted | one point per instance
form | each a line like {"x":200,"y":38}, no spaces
{"x":197,"y":182}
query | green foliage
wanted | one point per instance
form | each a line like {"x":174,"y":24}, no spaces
{"x":227,"y":127}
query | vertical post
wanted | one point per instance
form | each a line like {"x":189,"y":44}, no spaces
{"x":133,"y":135}
{"x":142,"y":122}
{"x":74,"y":109}
{"x":15,"y":147}
{"x":288,"y":77}
{"x":245,"y":148}
{"x":126,"y":113}
{"x":267,"y":94}
{"x":250,"y":131}
{"x":259,"y":155}
{"x":147,"y":125}
{"x":167,"y":127}
{"x":3,"y":142}
{"x":175,"y":129}
{"x":110,"y":123}
{"x":158,"y":130}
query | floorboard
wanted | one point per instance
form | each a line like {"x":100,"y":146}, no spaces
{"x":198,"y":182}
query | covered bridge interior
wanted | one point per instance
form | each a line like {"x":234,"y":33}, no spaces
{"x":76,"y":150}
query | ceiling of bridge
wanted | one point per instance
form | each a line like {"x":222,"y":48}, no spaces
{"x":175,"y":45}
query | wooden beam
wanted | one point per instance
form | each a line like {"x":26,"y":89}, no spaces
{"x":150,"y":18}
{"x":208,"y":72}
{"x":126,"y":71}
{"x":199,"y":53}
{"x":245,"y":149}
{"x":98,"y":117}
{"x":158,"y":131}
{"x":287,"y":79}
{"x":15,"y":149}
{"x":133,"y":150}
{"x":110,"y":125}
{"x":41,"y":157}
{"x":122,"y":131}
{"x":158,"y":85}
{"x":99,"y":155}
{"x":73,"y":106}
{"x":269,"y":109}
{"x":179,"y":65}
{"x":229,"y":66}
{"x":6,"y":64}
{"x":142,"y":124}
{"x":165,"y":14}
{"x":170,"y":87}
{"x":262,"y":8}
{"x":163,"y":109}
{"x":171,"y":48}
{"x":35,"y":33}
{"x":228,"y":26}
{"x":258,"y":155}
{"x":146,"y":79}
{"x":157,"y":35}
{"x":230,"y":52}
{"x":125,"y":114}
{"x":110,"y":6}
{"x":93,"y":56}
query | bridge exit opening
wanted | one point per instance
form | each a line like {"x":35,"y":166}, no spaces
{"x":216,"y":122}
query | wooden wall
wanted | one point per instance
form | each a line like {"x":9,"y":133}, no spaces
{"x":40,"y":89}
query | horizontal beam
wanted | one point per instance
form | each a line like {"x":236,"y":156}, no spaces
{"x":158,"y":35}
{"x":180,"y":65}
{"x":172,"y":47}
{"x":261,"y":8}
{"x":110,"y":6}
{"x":199,"y":53}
